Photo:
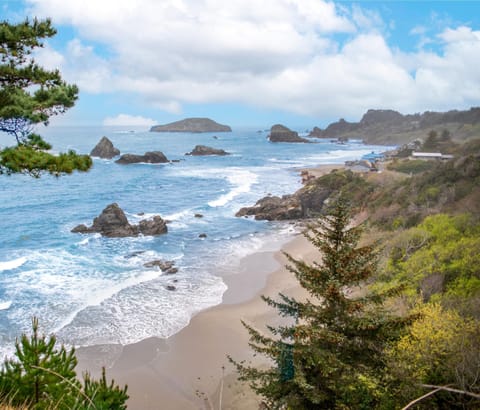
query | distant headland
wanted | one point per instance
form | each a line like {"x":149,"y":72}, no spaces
{"x":192,"y":125}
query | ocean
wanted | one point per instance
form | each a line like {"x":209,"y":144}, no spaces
{"x":91,"y":290}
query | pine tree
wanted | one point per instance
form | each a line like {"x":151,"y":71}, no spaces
{"x":329,"y":354}
{"x":43,"y":377}
{"x":30,"y":95}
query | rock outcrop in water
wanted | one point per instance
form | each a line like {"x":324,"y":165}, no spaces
{"x":192,"y":125}
{"x":280,"y":133}
{"x":153,"y":157}
{"x":113,"y":223}
{"x":105,"y":149}
{"x":204,"y":150}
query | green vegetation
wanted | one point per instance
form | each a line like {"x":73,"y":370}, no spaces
{"x":330,"y":354}
{"x":30,"y":95}
{"x":342,"y":348}
{"x":43,"y":377}
{"x":413,"y":166}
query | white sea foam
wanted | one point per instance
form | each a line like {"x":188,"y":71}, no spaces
{"x":242,"y":180}
{"x":5,"y":305}
{"x":13,"y":264}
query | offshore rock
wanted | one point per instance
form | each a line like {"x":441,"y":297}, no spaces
{"x":105,"y":149}
{"x":204,"y":150}
{"x":152,"y":227}
{"x":192,"y":125}
{"x":113,"y":223}
{"x":166,"y":267}
{"x":280,"y":133}
{"x":153,"y":157}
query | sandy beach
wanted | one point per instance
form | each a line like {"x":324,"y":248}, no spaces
{"x":190,"y":370}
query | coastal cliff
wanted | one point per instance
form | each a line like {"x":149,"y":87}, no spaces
{"x":192,"y":125}
{"x":392,"y":127}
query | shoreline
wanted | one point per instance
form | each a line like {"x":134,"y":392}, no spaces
{"x":190,"y":368}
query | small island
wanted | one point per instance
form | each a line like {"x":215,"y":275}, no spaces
{"x":192,"y":125}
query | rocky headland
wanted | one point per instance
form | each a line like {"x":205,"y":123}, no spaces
{"x":192,"y":125}
{"x":307,"y":202}
{"x":280,"y":133}
{"x":204,"y":150}
{"x":113,"y":223}
{"x":153,"y":157}
{"x":392,"y":127}
{"x":105,"y":149}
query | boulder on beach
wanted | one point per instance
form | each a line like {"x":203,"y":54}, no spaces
{"x":280,"y":133}
{"x":105,"y":149}
{"x":153,"y":157}
{"x":204,"y":150}
{"x":113,"y":223}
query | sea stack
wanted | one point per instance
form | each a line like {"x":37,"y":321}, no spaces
{"x":105,"y":149}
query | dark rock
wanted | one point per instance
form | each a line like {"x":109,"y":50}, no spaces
{"x":316,"y":132}
{"x":105,"y":149}
{"x":82,"y":228}
{"x":154,"y":157}
{"x":170,"y":287}
{"x":198,"y":216}
{"x":204,"y":150}
{"x":153,"y":226}
{"x":166,"y":267}
{"x":274,"y":208}
{"x":202,"y":235}
{"x":280,"y":133}
{"x":192,"y":125}
{"x":113,"y":223}
{"x":307,"y":202}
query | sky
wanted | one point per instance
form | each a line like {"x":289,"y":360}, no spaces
{"x":258,"y":62}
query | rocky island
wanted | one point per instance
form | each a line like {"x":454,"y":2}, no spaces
{"x":192,"y":125}
{"x":280,"y":133}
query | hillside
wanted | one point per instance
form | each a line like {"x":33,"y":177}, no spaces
{"x":192,"y":125}
{"x":392,"y":127}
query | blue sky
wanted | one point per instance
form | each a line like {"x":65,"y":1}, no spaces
{"x":245,"y":62}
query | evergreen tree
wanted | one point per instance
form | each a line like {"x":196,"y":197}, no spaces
{"x":30,"y":95}
{"x":329,"y":354}
{"x":44,"y":377}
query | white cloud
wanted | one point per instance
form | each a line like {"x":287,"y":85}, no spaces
{"x":281,"y":54}
{"x":128,"y":120}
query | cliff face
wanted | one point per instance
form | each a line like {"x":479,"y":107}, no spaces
{"x":392,"y":127}
{"x":192,"y":125}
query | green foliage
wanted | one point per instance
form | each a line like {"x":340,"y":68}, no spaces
{"x":439,"y":256}
{"x":451,"y":186}
{"x":412,"y":166}
{"x":337,"y":340}
{"x":30,"y":95}
{"x":440,"y":348}
{"x":43,"y":377}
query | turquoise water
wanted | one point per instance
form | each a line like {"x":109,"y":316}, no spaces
{"x":93,"y":290}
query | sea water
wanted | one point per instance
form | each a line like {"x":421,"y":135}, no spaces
{"x":91,"y":290}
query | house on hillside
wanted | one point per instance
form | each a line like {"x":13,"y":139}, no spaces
{"x":373,"y":157}
{"x":431,"y":155}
